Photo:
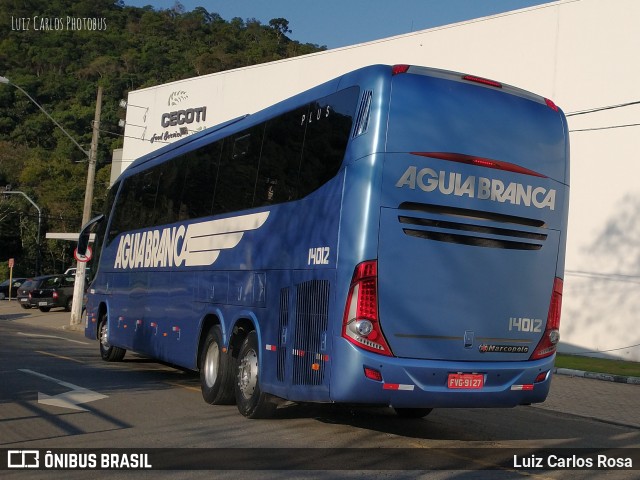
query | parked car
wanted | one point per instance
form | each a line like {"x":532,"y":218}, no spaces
{"x":55,"y":291}
{"x":24,"y":292}
{"x":15,"y":284}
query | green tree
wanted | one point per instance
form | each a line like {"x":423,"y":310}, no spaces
{"x":62,"y":69}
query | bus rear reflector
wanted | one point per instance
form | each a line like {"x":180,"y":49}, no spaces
{"x":479,"y":162}
{"x":549,"y":341}
{"x":360,"y":323}
{"x":372,"y":374}
{"x":542,"y":377}
{"x":483,"y":81}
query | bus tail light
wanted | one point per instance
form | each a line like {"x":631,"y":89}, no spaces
{"x":397,"y":69}
{"x":479,"y":162}
{"x":550,"y":103}
{"x":360,"y":323}
{"x":483,"y":81}
{"x":549,"y":341}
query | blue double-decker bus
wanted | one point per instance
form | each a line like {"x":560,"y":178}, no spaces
{"x":393,"y":237}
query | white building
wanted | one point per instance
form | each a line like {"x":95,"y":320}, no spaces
{"x":580,"y":53}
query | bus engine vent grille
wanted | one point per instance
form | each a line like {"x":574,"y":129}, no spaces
{"x":473,"y":234}
{"x":283,"y":325}
{"x":309,"y":346}
{"x":362,"y":119}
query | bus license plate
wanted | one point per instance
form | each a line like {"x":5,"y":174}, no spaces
{"x":474,"y":381}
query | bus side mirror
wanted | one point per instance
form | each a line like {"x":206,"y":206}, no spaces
{"x":83,"y":251}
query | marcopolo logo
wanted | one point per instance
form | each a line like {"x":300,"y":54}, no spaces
{"x":484,"y":348}
{"x":197,"y":244}
{"x":453,"y":183}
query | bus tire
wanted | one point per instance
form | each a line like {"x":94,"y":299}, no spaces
{"x":216,"y":372}
{"x":109,"y":353}
{"x":252,"y":403}
{"x":413,"y":412}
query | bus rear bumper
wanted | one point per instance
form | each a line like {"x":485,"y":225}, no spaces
{"x":413,"y":383}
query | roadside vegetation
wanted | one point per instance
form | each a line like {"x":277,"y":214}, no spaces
{"x":599,"y":365}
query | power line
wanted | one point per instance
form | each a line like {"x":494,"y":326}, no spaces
{"x":129,"y":136}
{"x":605,"y":128}
{"x":45,"y":216}
{"x":610,"y":350}
{"x":617,"y":277}
{"x":600,"y":109}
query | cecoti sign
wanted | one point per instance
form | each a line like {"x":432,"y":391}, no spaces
{"x":181,"y":117}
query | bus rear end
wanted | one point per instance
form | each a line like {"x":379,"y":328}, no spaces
{"x":461,"y":307}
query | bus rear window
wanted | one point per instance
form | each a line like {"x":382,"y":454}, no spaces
{"x":429,"y":114}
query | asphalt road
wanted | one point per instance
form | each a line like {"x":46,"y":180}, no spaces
{"x":56,"y":393}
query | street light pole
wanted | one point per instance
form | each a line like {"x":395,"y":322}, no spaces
{"x":8,"y":82}
{"x":16,"y":192}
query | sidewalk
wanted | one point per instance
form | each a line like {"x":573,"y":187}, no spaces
{"x":598,"y":376}
{"x":56,"y":319}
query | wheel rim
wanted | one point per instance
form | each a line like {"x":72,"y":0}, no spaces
{"x":104,"y":330}
{"x":248,"y":373}
{"x":211,"y":362}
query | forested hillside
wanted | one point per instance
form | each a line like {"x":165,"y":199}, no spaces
{"x":47,"y":49}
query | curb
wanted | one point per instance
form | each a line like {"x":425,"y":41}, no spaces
{"x":73,"y":328}
{"x":598,"y":376}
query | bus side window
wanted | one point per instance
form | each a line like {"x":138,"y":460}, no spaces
{"x":238,"y":171}
{"x":169,"y":190}
{"x":123,"y":212}
{"x":147,"y":194}
{"x":328,"y":128}
{"x":280,"y":160}
{"x":198,"y":188}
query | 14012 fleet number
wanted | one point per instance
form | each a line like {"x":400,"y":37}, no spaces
{"x":520,"y":324}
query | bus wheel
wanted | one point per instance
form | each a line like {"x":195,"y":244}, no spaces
{"x":413,"y":412}
{"x":109,"y":353}
{"x":216,"y":374}
{"x":252,"y":403}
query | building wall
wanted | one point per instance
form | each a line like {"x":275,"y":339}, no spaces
{"x":580,"y":53}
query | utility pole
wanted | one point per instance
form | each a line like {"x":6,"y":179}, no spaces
{"x":78,"y":289}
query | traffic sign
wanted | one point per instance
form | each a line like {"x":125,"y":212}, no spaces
{"x":83,"y":258}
